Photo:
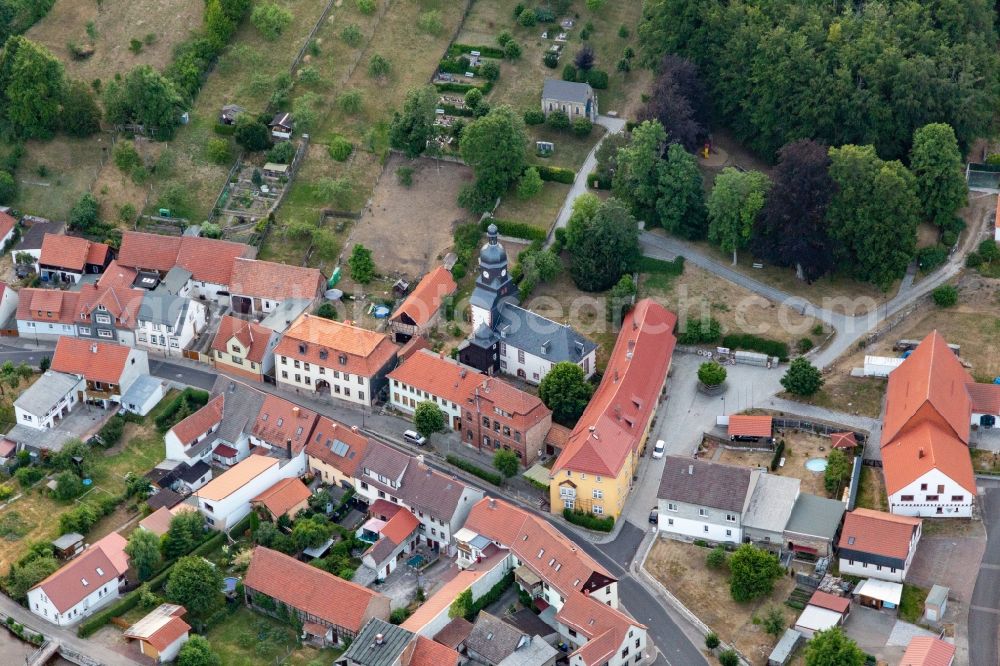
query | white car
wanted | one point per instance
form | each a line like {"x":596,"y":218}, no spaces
{"x":414,"y":437}
{"x":658,"y":450}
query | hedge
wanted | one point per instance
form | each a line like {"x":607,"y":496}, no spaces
{"x":456,"y":50}
{"x":485,"y":474}
{"x":452,"y":110}
{"x":224,"y":130}
{"x":455,"y":66}
{"x":756,"y":343}
{"x":599,"y":181}
{"x":492,"y":596}
{"x":776,"y":458}
{"x":589,"y":520}
{"x":654,"y":265}
{"x":516,"y":229}
{"x":196,"y":400}
{"x":556,"y":174}
{"x":454,"y":86}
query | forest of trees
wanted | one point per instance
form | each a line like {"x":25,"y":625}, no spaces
{"x":839,"y":72}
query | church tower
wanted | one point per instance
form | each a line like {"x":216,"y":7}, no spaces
{"x":493,"y":283}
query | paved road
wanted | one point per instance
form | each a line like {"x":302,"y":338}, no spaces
{"x":614,"y":126}
{"x":984,"y":612}
{"x":183,"y":374}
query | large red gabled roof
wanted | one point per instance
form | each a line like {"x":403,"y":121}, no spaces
{"x":925,"y":447}
{"x":614,"y":423}
{"x":929,"y":385}
{"x":426,"y":298}
{"x":208,"y":259}
{"x":94,"y":361}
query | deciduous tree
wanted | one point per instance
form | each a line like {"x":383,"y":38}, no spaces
{"x":679,"y":101}
{"x":506,"y":462}
{"x":711,"y":374}
{"x":196,"y":584}
{"x":937,"y":165}
{"x":637,"y":177}
{"x":494,"y":146}
{"x":752,"y":573}
{"x":733,"y":204}
{"x":802,"y":378}
{"x":565,"y":390}
{"x":792,"y":229}
{"x":604,"y":246}
{"x":270,"y":20}
{"x":144,"y":97}
{"x":361,"y":264}
{"x":414,"y":125}
{"x":143,"y":549}
{"x":197,"y":652}
{"x":680,"y":202}
{"x":80,"y":113}
{"x":32,"y":87}
{"x":833,"y":648}
{"x":428,"y":418}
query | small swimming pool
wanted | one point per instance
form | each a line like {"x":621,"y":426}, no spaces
{"x":229,"y":584}
{"x":816,"y":464}
{"x":416,"y":561}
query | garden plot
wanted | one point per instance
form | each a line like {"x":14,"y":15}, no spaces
{"x":409,"y":229}
{"x":54,"y":174}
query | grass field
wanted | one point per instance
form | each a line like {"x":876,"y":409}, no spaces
{"x":54,"y":174}
{"x":141,"y":448}
{"x":247,"y":638}
{"x":570,"y":150}
{"x":871,"y":490}
{"x":540,"y":211}
{"x":799,"y":447}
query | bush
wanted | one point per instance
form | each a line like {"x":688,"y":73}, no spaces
{"x":112,"y":431}
{"x":475,"y":470}
{"x":28,"y":476}
{"x":271,"y":20}
{"x":974,"y":260}
{"x":589,"y":520}
{"x":598,"y":79}
{"x":340,"y":148}
{"x":729,"y":658}
{"x":551,"y":59}
{"x":282,"y":153}
{"x":778,"y":452}
{"x":399,"y":615}
{"x":527,"y":18}
{"x":661,"y":266}
{"x":716,"y":558}
{"x":582,"y":127}
{"x":804,"y":345}
{"x":557,"y":174}
{"x":186,"y":403}
{"x":750,"y":342}
{"x":929,"y":258}
{"x":516,"y":229}
{"x":351,"y":34}
{"x":366,"y":6}
{"x":699,"y":331}
{"x":599,"y":181}
{"x":217,"y":150}
{"x":534,"y":117}
{"x":711,"y":640}
{"x":569,"y":73}
{"x":945,"y":296}
{"x":490,"y":71}
{"x":224,"y":130}
{"x":512,"y":50}
{"x":404,"y":176}
{"x":456,"y":50}
{"x":558,"y":120}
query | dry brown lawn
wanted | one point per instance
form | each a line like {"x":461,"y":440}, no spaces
{"x":409,"y":230}
{"x":871,"y":490}
{"x":697,"y":292}
{"x":69,"y":165}
{"x":799,"y":447}
{"x":541,"y":210}
{"x":682,"y":570}
{"x":117,"y":22}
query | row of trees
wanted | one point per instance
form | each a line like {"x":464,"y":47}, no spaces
{"x":822,"y":209}
{"x":870,"y":73}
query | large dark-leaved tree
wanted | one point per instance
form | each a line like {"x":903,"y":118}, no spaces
{"x":144,"y":97}
{"x":679,"y":100}
{"x":32,"y":85}
{"x":603,"y":239}
{"x":494,"y":146}
{"x":680,"y":203}
{"x":937,"y":165}
{"x":791,"y":229}
{"x":411,"y":128}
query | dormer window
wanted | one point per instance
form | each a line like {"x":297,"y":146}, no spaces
{"x":100,"y":572}
{"x":323,"y":354}
{"x":343,"y":359}
{"x":280,"y":421}
{"x":302,"y":348}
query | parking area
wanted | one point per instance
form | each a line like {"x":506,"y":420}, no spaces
{"x":401,"y":585}
{"x":871,"y":629}
{"x":949,"y":554}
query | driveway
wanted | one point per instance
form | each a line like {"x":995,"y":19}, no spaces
{"x":984,"y":613}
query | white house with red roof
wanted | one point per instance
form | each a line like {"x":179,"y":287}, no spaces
{"x":421,"y":309}
{"x":260,"y":287}
{"x":875,"y":544}
{"x":925,"y":434}
{"x":161,"y":633}
{"x":244,"y":348}
{"x":392,"y":532}
{"x":574,"y":593}
{"x":66,"y":259}
{"x":108,"y":369}
{"x":85,"y":584}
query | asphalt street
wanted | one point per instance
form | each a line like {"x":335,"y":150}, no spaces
{"x":984,"y":612}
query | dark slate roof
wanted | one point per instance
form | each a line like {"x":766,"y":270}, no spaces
{"x":164,"y":498}
{"x":816,"y":516}
{"x":493,"y":639}
{"x":364,"y":651}
{"x":191,"y":473}
{"x":432,"y":492}
{"x":240,"y":409}
{"x":529,"y":623}
{"x":33,"y":235}
{"x":567,"y":91}
{"x":523,"y":329}
{"x":161,"y":307}
{"x":385,"y":460}
{"x":704,"y":483}
{"x":381,"y":551}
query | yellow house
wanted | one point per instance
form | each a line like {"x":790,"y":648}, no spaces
{"x":244,"y":348}
{"x":594,"y":471}
{"x":335,"y":451}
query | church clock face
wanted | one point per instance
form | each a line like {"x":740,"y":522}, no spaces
{"x":503,"y":273}
{"x":486,"y":274}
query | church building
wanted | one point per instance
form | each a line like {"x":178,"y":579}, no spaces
{"x":507,"y":338}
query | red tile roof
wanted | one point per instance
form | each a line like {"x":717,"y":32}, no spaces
{"x":442,"y":599}
{"x":928,"y":385}
{"x":431,"y":653}
{"x":157,"y":522}
{"x":366,"y":351}
{"x":116,"y":275}
{"x":985,"y":398}
{"x":830,"y":602}
{"x":273,"y":281}
{"x":71,"y":252}
{"x":924,"y":448}
{"x":94,"y":361}
{"x":558,"y":436}
{"x":400,"y":527}
{"x":252,"y":337}
{"x":197,"y":424}
{"x":48,"y":305}
{"x":741,"y":425}
{"x":843,"y":440}
{"x":120,"y":302}
{"x":280,"y":422}
{"x":103,"y":562}
{"x":283,"y":496}
{"x":320,"y":445}
{"x":6,"y":224}
{"x":614,"y":423}
{"x":878,"y":533}
{"x":426,"y":298}
{"x":312,"y":590}
{"x":208,"y":259}
{"x":236,"y":477}
{"x":160,"y":632}
{"x":454,"y":633}
{"x":525,"y":535}
{"x":928,"y":650}
{"x":605,"y":627}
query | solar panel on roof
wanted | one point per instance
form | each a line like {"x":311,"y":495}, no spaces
{"x":339,"y":448}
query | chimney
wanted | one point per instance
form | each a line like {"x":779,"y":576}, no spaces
{"x":295,"y":411}
{"x":616,"y":375}
{"x":354,"y":428}
{"x":288,"y":448}
{"x":93,"y":349}
{"x":493,"y":503}
{"x":691,"y":470}
{"x":920,"y":452}
{"x":378,"y":639}
{"x":420,"y":459}
{"x":462,"y":373}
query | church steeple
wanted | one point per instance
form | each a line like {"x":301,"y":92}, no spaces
{"x":493,"y":284}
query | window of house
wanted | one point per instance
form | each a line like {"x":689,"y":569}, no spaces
{"x":284,"y":360}
{"x":958,"y":498}
{"x":906,"y":498}
{"x":598,"y":510}
{"x":347,"y":391}
{"x":704,"y":528}
{"x":671,"y":506}
{"x":506,"y":431}
{"x":298,"y":378}
{"x":101,"y":333}
{"x":923,"y":486}
{"x":932,"y":498}
{"x":517,"y":436}
{"x":520,"y":356}
{"x":729,"y":533}
{"x":361,"y":395}
{"x":284,"y":374}
{"x":305,"y":366}
{"x":102,"y":318}
{"x":731,"y":517}
{"x":941,"y":489}
{"x":598,"y":494}
{"x":703,"y":512}
{"x":670,"y":521}
{"x":624,"y":653}
{"x":486,"y":422}
{"x":297,"y":364}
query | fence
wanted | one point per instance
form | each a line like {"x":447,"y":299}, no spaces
{"x":982,"y":177}
{"x":819,"y":427}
